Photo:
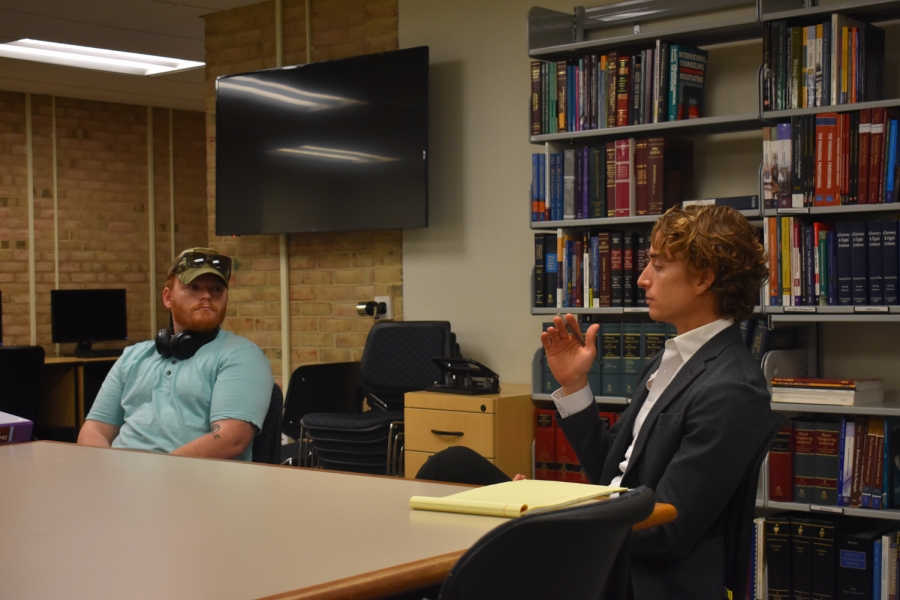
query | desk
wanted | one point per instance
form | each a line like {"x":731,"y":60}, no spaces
{"x":68,"y":389}
{"x":100,"y":523}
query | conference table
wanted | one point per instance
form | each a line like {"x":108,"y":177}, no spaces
{"x":81,"y":522}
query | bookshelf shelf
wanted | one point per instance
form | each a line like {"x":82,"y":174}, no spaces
{"x":617,"y":221}
{"x":784,"y":116}
{"x":729,"y":30}
{"x":835,"y":318}
{"x":845,"y":510}
{"x":871,"y":11}
{"x":590,"y":311}
{"x":703,"y":126}
{"x":843,"y":209}
{"x":888,"y":408}
{"x":597,"y":399}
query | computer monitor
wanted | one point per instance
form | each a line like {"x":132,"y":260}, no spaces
{"x":87,"y":316}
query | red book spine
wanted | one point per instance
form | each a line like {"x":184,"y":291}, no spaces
{"x":878,"y":474}
{"x":845,"y":158}
{"x":625,"y":192}
{"x":772,"y":228}
{"x":865,"y":143}
{"x":622,"y":91}
{"x":612,"y":83}
{"x":780,"y":468}
{"x":862,"y":428}
{"x":656,"y":182}
{"x":831,"y":190}
{"x":544,"y":445}
{"x":868,"y":465}
{"x":566,"y":461}
{"x":820,"y":165}
{"x":876,"y":154}
{"x":642,"y":191}
{"x":610,"y":179}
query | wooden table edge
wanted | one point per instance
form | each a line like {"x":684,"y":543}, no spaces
{"x":418,"y":574}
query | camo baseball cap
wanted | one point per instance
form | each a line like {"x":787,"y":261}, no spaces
{"x":194,"y":262}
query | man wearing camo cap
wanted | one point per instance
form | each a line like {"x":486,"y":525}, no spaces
{"x":196,"y":390}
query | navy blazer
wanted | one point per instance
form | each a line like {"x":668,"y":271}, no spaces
{"x":694,"y":447}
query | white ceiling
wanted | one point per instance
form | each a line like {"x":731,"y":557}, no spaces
{"x":172,"y":28}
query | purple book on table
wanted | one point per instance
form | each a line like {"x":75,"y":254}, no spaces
{"x":14,"y":429}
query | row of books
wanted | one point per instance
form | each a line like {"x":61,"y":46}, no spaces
{"x":625,"y":178}
{"x":591,"y":270}
{"x":554,"y":457}
{"x":625,"y":348}
{"x":663,"y":83}
{"x":832,"y":264}
{"x":840,"y":61}
{"x":798,"y":555}
{"x":850,"y":462}
{"x":832,"y":392}
{"x":832,"y":159}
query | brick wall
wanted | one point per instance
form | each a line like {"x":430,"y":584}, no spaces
{"x":102,"y":205}
{"x":329,"y":273}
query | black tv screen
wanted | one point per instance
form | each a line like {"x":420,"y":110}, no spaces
{"x":332,"y":146}
{"x":86,"y":316}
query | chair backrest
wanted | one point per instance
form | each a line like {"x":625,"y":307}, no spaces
{"x":558,"y":554}
{"x":739,"y":519}
{"x":321,"y":388}
{"x":398,"y":358}
{"x":267,"y":444}
{"x":20,"y":372}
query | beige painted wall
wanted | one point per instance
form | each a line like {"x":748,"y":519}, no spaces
{"x":471,"y":266}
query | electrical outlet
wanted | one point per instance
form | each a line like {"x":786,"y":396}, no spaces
{"x":389,"y":308}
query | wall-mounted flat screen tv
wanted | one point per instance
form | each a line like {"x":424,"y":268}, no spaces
{"x":332,"y":146}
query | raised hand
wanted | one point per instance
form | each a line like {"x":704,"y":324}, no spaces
{"x":568,"y":357}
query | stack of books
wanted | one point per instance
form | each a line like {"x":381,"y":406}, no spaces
{"x":833,"y":392}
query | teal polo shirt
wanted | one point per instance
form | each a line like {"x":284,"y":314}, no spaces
{"x":161,"y":404}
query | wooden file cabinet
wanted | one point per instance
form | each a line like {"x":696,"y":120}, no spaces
{"x":497,"y":426}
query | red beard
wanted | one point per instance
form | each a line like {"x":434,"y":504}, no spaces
{"x":192,"y":319}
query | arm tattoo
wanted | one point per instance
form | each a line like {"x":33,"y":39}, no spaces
{"x":215,"y":431}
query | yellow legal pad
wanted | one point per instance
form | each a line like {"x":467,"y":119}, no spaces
{"x":514,"y":498}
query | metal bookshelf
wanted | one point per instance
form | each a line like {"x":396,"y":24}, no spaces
{"x":872,"y":11}
{"x":702,"y":126}
{"x":850,"y":209}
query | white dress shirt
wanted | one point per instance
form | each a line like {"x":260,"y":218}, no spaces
{"x":678,"y":351}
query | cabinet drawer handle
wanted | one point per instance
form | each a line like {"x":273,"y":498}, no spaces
{"x":454,"y":433}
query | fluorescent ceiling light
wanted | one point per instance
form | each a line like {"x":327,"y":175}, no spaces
{"x":94,"y":58}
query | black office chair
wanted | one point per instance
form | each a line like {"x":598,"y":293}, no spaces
{"x":397,"y":359}
{"x":590,"y":545}
{"x":317,"y":388}
{"x":20,"y":372}
{"x":267,"y":444}
{"x":738,"y":519}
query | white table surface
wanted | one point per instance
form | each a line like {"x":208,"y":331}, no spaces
{"x":82,"y":522}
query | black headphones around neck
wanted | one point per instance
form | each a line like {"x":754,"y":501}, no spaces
{"x":183,"y":344}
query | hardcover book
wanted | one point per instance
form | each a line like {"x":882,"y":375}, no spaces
{"x":781,"y":483}
{"x":626,"y":198}
{"x":687,"y":77}
{"x":804,"y":464}
{"x":670,"y":170}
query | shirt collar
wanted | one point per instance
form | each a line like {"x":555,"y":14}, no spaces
{"x":687,"y":344}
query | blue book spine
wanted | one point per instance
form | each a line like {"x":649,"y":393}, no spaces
{"x":551,"y":188}
{"x":595,"y":270}
{"x":890,"y":263}
{"x":673,"y":82}
{"x":874,"y":269}
{"x":842,"y":264}
{"x":891,"y":161}
{"x":542,"y":186}
{"x":831,"y":262}
{"x":551,"y":270}
{"x":557,"y":185}
{"x":534,"y":186}
{"x":859,"y":278}
{"x":565,"y":273}
{"x":809,"y":265}
{"x":610,"y":340}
